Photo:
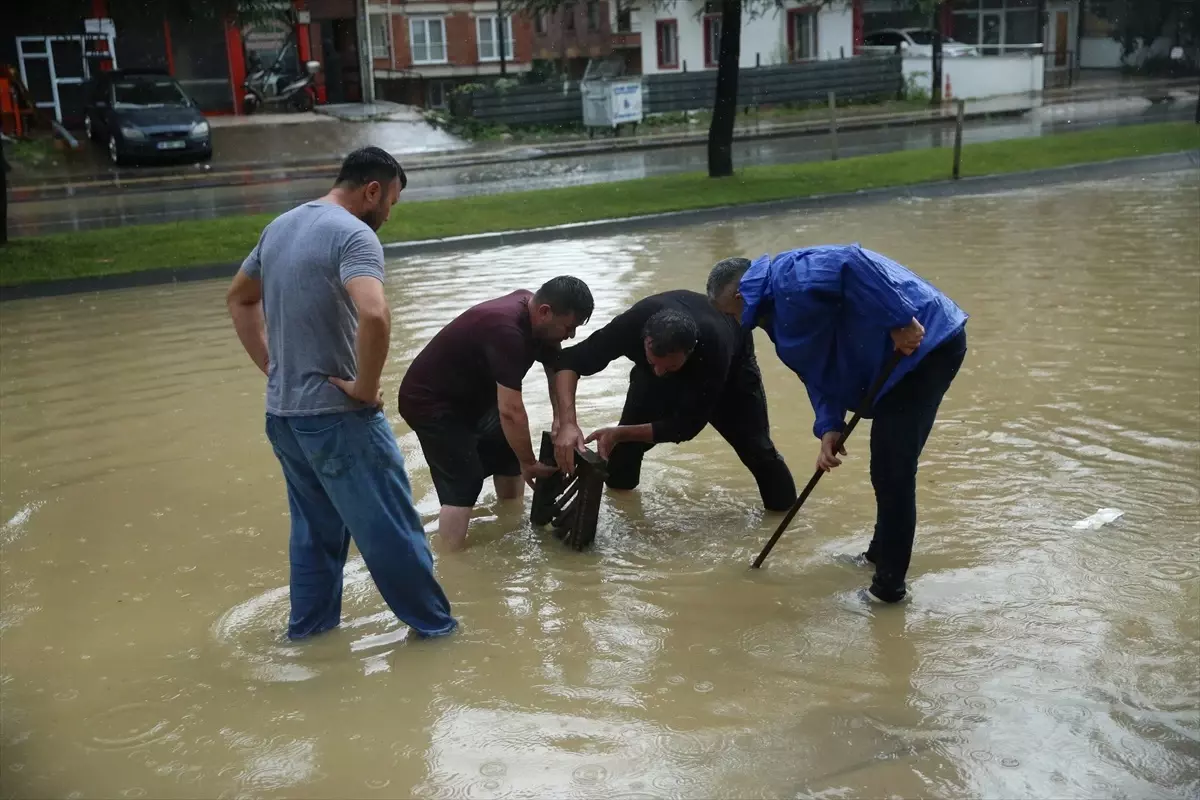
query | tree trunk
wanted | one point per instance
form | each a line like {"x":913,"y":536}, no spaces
{"x":720,"y":132}
{"x":935,"y":95}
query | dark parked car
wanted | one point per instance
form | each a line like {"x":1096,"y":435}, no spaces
{"x":144,"y":115}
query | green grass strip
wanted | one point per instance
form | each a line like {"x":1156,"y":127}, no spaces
{"x":178,"y":244}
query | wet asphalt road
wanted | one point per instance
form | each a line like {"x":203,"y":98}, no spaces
{"x":134,"y":207}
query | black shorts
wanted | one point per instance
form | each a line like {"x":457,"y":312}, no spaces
{"x":461,"y":455}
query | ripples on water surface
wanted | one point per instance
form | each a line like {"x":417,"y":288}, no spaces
{"x":143,"y":542}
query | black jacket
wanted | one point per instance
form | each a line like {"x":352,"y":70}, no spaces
{"x":720,"y":348}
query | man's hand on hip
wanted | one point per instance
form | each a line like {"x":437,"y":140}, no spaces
{"x":909,"y":338}
{"x":367,"y":395}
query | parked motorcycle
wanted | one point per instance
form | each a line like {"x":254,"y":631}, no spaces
{"x":271,"y":88}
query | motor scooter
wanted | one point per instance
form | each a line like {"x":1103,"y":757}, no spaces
{"x":273,"y":89}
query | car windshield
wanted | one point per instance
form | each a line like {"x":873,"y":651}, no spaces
{"x":148,"y":93}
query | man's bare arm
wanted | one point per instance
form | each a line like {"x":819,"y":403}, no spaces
{"x":568,"y":438}
{"x":550,"y":387}
{"x":244,"y":300}
{"x":371,"y":344}
{"x":566,"y":382}
{"x":515,"y":424}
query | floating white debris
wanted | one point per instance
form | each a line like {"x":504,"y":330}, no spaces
{"x":1099,"y":519}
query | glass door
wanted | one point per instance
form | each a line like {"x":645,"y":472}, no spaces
{"x":991,"y":32}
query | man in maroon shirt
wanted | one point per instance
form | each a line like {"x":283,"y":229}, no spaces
{"x":462,"y":395}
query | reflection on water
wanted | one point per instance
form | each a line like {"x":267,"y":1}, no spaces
{"x":144,"y":534}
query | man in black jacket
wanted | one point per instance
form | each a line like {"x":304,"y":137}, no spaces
{"x":692,"y":366}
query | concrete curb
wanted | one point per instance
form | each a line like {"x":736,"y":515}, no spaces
{"x":1103,"y":170}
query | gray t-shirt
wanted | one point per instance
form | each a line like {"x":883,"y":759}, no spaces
{"x":304,"y":259}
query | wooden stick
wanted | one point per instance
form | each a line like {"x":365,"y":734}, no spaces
{"x":812,"y":482}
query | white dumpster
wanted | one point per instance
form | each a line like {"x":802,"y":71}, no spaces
{"x":610,"y":103}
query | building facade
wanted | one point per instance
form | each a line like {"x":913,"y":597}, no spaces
{"x":685,"y":36}
{"x":568,"y":38}
{"x":423,"y":49}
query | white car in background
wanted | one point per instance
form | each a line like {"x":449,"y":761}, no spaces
{"x":915,"y":42}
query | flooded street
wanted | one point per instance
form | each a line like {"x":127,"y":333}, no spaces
{"x":143,"y":538}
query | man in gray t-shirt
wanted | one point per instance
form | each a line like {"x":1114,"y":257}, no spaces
{"x":309,"y":308}
{"x":315,"y":251}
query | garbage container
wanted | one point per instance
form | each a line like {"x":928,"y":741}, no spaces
{"x":610,"y":100}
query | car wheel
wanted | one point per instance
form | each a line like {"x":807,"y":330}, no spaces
{"x":206,"y":156}
{"x":114,"y":152}
{"x":88,"y":130}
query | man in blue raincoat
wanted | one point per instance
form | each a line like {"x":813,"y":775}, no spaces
{"x":835,"y":314}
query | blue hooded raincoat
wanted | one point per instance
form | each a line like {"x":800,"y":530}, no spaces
{"x":830,"y":311}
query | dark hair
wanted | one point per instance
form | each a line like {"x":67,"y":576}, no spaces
{"x":368,"y":164}
{"x":670,"y":332}
{"x":725,"y":272}
{"x":567,"y":294}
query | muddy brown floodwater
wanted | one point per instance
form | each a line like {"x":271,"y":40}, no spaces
{"x":144,"y":532}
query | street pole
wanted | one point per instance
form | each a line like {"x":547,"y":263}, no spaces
{"x":958,"y":134}
{"x":500,"y":32}
{"x":366,"y":61}
{"x":935,"y":94}
{"x":833,"y":128}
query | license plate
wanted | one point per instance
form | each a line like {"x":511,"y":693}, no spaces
{"x":171,"y":145}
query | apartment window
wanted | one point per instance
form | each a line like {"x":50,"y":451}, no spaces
{"x":539,"y":24}
{"x":712,"y":41}
{"x":428,"y":36}
{"x":667,"y":37}
{"x":802,"y":35}
{"x":488,"y":45}
{"x":997,"y":23}
{"x":1021,"y":26}
{"x":593,"y":15}
{"x":381,"y":36}
{"x":624,"y":20}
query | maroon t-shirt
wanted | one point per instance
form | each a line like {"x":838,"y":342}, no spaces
{"x":456,"y":374}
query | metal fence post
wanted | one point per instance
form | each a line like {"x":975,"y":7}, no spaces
{"x":833,"y":130}
{"x":958,"y":134}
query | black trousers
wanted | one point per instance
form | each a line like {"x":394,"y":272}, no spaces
{"x":903,"y":419}
{"x":740,"y":417}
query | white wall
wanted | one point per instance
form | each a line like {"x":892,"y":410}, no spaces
{"x":764,"y":38}
{"x":973,"y":78}
{"x":835,"y":33}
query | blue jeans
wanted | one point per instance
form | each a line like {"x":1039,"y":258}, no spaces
{"x":903,"y":419}
{"x":345,"y":478}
